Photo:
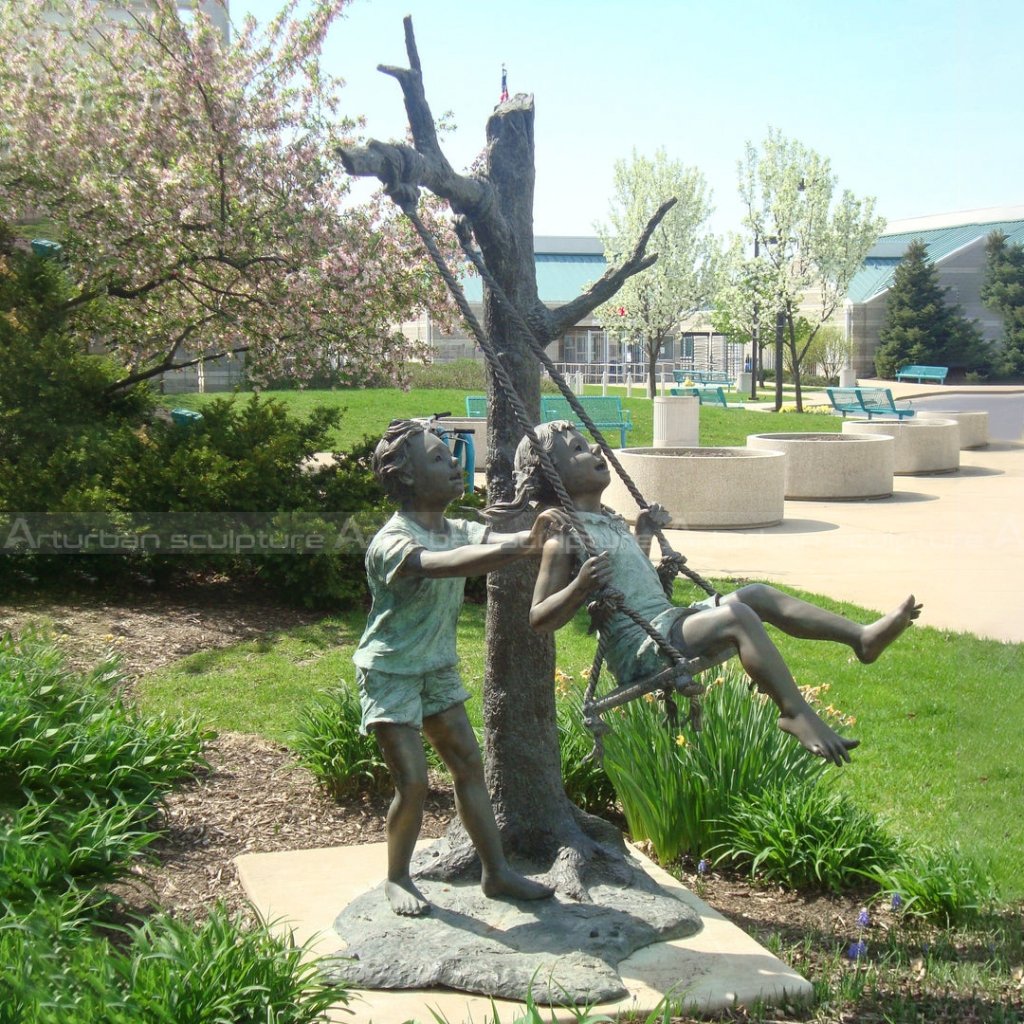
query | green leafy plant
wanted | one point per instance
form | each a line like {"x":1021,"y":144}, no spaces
{"x":938,"y":884}
{"x":329,"y":744}
{"x":675,"y":784}
{"x":223,"y":971}
{"x":65,"y":737}
{"x":49,"y":848}
{"x":805,"y":837}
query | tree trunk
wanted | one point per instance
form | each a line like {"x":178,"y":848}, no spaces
{"x":794,"y":358}
{"x":538,"y":823}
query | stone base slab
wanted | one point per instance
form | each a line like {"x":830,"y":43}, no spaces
{"x":718,"y":967}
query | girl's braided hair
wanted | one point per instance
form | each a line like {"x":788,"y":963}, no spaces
{"x":532,"y":486}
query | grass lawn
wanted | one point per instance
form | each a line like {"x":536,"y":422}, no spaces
{"x":369,"y":410}
{"x":939,"y":751}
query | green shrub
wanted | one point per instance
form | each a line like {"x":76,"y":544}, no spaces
{"x":222,"y":971}
{"x":804,"y":837}
{"x":65,"y":737}
{"x":463,"y":374}
{"x":231,"y":493}
{"x":59,"y":968}
{"x":48,"y":849}
{"x":329,"y":744}
{"x":942,"y":885}
{"x":674,"y":785}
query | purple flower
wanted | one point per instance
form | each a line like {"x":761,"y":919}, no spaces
{"x":857,"y":949}
{"x":703,"y":867}
{"x":863,"y":919}
{"x":897,"y":901}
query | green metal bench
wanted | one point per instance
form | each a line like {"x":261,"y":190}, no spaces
{"x":605,"y":410}
{"x":476,"y":406}
{"x":718,"y":377}
{"x":707,"y":395}
{"x":868,"y":402}
{"x":923,"y":373}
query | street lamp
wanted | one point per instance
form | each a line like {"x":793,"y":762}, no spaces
{"x":755,"y":327}
{"x":755,"y":331}
{"x":780,"y":323}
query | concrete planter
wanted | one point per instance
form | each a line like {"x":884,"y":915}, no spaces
{"x":833,"y":467}
{"x":704,"y":488}
{"x":922,"y":445}
{"x":973,"y":425}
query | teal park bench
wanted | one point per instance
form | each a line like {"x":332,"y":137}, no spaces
{"x":717,"y":377}
{"x":476,"y":406}
{"x":923,"y":373}
{"x":605,"y":410}
{"x":865,"y":401}
{"x":707,"y":395}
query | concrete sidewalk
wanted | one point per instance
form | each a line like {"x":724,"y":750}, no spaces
{"x":956,"y":541}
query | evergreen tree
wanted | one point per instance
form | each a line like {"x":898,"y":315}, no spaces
{"x":1003,"y":291}
{"x":921,"y":327}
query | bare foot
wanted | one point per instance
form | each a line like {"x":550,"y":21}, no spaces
{"x":880,"y":634}
{"x":511,"y":885}
{"x":817,"y":737}
{"x":405,"y":898}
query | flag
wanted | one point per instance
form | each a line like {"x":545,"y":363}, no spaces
{"x":504,"y":84}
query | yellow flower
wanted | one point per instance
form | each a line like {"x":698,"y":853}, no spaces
{"x":650,"y":698}
{"x":562,"y":677}
{"x":680,"y":740}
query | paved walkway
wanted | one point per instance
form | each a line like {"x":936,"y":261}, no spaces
{"x":956,"y":541}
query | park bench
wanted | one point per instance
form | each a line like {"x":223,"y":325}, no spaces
{"x":706,"y":395}
{"x":605,"y":410}
{"x":923,"y":373}
{"x":865,"y":401}
{"x":698,"y":377}
{"x":476,"y":406}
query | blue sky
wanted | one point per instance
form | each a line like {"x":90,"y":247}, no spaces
{"x":917,"y":103}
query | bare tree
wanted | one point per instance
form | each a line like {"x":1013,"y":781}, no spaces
{"x":538,"y":822}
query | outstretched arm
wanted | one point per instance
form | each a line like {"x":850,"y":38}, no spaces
{"x":476,"y":559}
{"x":559,"y":593}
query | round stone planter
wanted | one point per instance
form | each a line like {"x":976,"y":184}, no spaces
{"x":833,"y":467}
{"x":922,"y":445}
{"x":973,"y":425}
{"x":704,"y":488}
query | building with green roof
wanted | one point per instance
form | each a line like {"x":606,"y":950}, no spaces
{"x":566,"y":266}
{"x":956,"y":246}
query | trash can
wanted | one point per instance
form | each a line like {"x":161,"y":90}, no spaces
{"x":676,"y":421}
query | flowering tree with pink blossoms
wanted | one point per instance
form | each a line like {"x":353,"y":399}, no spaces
{"x":192,"y":186}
